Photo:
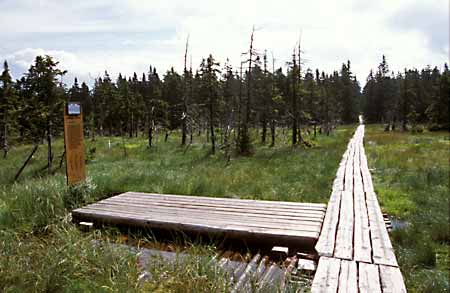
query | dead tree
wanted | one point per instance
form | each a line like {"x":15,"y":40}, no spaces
{"x":265,"y":102}
{"x":272,"y":120}
{"x":294,"y":99}
{"x":185,"y":107}
{"x":244,"y":142}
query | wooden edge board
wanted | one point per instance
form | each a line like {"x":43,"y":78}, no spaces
{"x":391,"y":280}
{"x":325,"y":244}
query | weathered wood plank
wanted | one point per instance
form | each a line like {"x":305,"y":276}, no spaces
{"x":318,"y":218}
{"x":383,"y":252}
{"x":344,"y":236}
{"x":207,"y":216}
{"x":362,"y":244}
{"x":326,"y":242}
{"x":348,"y":277}
{"x":326,"y":278}
{"x":391,"y":280}
{"x":88,"y":213}
{"x":251,"y":202}
{"x":175,"y":223}
{"x":291,"y":212}
{"x":369,"y":278}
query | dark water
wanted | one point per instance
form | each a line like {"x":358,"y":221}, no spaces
{"x":398,"y":224}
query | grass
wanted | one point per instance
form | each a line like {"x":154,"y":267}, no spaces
{"x":411,"y":178}
{"x":42,"y":251}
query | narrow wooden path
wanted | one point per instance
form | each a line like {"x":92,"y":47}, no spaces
{"x":356,"y":254}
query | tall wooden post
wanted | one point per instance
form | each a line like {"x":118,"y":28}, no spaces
{"x":74,"y":144}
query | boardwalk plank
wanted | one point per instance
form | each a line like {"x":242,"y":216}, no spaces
{"x":383,"y":252}
{"x":344,"y":235}
{"x":348,"y":277}
{"x":326,"y":242}
{"x":196,"y":225}
{"x":362,"y":244}
{"x":391,"y":280}
{"x":369,"y":278}
{"x":207,"y":216}
{"x":175,"y":202}
{"x":157,"y":220}
{"x":263,"y":214}
{"x":232,"y":201}
{"x":326,"y":278}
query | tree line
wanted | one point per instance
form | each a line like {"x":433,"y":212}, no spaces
{"x":221,"y":101}
{"x":407,"y":99}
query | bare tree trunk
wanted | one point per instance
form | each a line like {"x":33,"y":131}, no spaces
{"x":240,"y":106}
{"x":49,"y":147}
{"x":264,"y":130}
{"x":244,"y":135}
{"x":26,"y":162}
{"x":294,"y":101}
{"x":130,"y":126}
{"x":5,"y":137}
{"x":211,"y":124}
{"x":300,"y":138}
{"x":185,"y":108}
{"x":167,"y":136}
{"x":151,"y":125}
{"x":272,"y":132}
{"x":150,"y":132}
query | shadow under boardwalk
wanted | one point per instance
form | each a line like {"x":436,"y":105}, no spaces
{"x":279,"y":223}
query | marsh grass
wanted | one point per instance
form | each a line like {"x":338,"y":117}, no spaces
{"x":411,"y":178}
{"x":42,"y":251}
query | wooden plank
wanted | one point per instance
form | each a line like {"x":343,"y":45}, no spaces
{"x":74,"y":147}
{"x":344,"y":235}
{"x":348,"y":277}
{"x":369,"y":278}
{"x":206,"y":216}
{"x":348,"y":181}
{"x":391,"y":280}
{"x":175,"y":223}
{"x":198,"y":213}
{"x":248,"y":273}
{"x":298,"y":212}
{"x":326,"y":242}
{"x":313,"y":217}
{"x":326,"y":278}
{"x":362,"y":244}
{"x":193,"y":219}
{"x":250,"y":202}
{"x":383,"y":252}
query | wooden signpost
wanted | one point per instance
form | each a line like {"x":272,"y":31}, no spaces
{"x":74,"y":144}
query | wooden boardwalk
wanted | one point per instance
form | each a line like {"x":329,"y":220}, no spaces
{"x":356,"y":254}
{"x":286,"y":223}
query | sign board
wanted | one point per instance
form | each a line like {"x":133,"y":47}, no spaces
{"x":74,"y":144}
{"x":74,"y":109}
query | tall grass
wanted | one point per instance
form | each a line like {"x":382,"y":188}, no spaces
{"x":41,"y":251}
{"x":411,"y":177}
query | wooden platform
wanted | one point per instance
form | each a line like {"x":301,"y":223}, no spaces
{"x":354,"y":245}
{"x":286,"y":223}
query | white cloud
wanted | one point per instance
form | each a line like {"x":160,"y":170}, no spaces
{"x":333,"y":31}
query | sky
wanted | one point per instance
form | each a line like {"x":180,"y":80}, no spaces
{"x":88,"y":37}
